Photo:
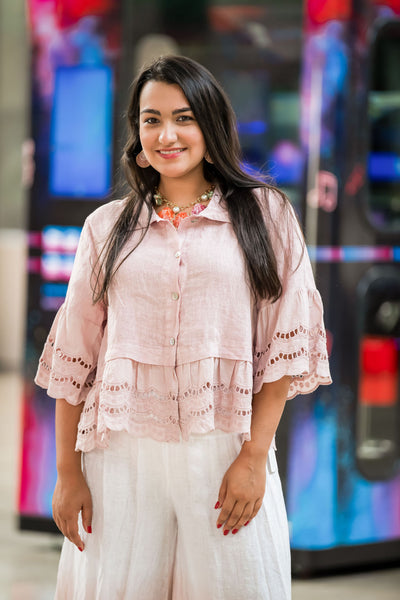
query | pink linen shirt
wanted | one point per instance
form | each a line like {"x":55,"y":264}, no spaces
{"x":182,"y":345}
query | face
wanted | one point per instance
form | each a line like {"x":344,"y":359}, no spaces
{"x":170,"y":135}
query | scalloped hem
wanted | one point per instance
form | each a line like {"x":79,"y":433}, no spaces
{"x":302,"y":382}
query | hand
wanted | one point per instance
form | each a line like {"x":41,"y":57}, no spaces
{"x":71,"y":496}
{"x":241,"y":492}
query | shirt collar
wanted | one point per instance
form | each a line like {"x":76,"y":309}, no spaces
{"x":215,"y":210}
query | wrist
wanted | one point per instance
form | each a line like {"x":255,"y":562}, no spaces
{"x":70,"y":467}
{"x":253,"y":452}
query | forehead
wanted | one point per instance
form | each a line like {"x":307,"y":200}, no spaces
{"x":162,"y":96}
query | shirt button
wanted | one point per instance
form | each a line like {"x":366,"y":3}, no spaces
{"x":177,"y":254}
{"x":174,"y":295}
{"x":171,"y":341}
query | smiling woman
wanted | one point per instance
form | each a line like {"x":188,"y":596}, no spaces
{"x":172,"y":140}
{"x":179,"y":342}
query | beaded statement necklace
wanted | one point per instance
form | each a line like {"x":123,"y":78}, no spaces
{"x":174,"y":213}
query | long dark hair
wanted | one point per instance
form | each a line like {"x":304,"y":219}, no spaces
{"x":217,"y":121}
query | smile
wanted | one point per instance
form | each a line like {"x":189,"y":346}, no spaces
{"x":171,"y":152}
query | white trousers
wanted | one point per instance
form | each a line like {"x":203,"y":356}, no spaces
{"x":154,"y":527}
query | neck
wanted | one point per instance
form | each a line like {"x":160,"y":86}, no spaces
{"x":180,"y":191}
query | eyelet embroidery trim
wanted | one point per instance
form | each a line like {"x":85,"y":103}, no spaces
{"x":67,"y":358}
{"x":167,"y":417}
{"x":163,"y":416}
{"x":317,"y":334}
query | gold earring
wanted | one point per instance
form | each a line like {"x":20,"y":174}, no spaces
{"x":141,"y":160}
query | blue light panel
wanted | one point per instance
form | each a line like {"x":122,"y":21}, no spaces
{"x":384,"y":166}
{"x":81,"y":132}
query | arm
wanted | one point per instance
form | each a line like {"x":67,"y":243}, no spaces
{"x":71,"y":494}
{"x":243,"y":486}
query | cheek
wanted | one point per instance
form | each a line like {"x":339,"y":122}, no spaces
{"x":142,"y":133}
{"x":197,"y":140}
{"x":145,"y":138}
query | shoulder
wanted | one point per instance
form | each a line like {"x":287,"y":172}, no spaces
{"x":273,"y":202}
{"x":106,"y":213}
{"x":279,"y":216}
{"x":282,"y":223}
{"x":101,"y":220}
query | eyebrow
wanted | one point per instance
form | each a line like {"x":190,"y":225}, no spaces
{"x":174,"y":112}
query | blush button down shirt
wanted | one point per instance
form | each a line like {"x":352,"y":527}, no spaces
{"x":181,"y":345}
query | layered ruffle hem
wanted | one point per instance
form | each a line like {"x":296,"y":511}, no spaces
{"x":290,"y":339}
{"x":169,"y":403}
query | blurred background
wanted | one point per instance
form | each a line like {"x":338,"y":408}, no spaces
{"x":316,"y":88}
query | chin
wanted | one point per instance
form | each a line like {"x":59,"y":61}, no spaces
{"x":174,"y":172}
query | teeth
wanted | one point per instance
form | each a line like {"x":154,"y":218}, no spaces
{"x":171,"y":151}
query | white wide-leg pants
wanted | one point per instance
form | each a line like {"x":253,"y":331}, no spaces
{"x":154,"y":527}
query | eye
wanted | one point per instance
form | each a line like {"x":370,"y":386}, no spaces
{"x":183,"y":118}
{"x":150,"y":120}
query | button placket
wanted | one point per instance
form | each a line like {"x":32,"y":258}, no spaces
{"x":174,"y":296}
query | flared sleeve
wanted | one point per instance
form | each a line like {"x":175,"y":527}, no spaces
{"x":290,"y":336}
{"x":67,"y":366}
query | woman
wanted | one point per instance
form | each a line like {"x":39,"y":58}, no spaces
{"x":191,"y":316}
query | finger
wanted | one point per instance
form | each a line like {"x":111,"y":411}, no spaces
{"x":234,"y":517}
{"x":87,"y":512}
{"x":60,"y":522}
{"x":257,"y":506}
{"x":56,"y":520}
{"x":226,"y":510}
{"x":244,"y":517}
{"x":221,"y":494}
{"x":72,"y":533}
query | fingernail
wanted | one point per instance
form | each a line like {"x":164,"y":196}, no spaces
{"x":89,"y":529}
{"x":246,"y":523}
{"x":217,"y":505}
{"x":226,"y":531}
{"x":80,"y":549}
{"x":235,"y":531}
{"x":219,"y":525}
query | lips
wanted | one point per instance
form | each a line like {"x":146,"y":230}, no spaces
{"x":172,"y":152}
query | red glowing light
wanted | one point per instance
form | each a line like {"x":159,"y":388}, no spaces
{"x":379,"y":372}
{"x":70,"y":11}
{"x":322,"y":11}
{"x":378,"y":355}
{"x":393,"y":4}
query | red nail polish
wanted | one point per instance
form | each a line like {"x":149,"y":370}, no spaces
{"x":80,"y":549}
{"x":217,"y":505}
{"x":219,"y":525}
{"x":89,"y":529}
{"x":246,"y":523}
{"x":226,"y":531}
{"x":235,"y":531}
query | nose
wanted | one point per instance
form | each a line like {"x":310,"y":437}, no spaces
{"x":168,"y":134}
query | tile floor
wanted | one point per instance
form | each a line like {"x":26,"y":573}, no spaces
{"x":28,"y":561}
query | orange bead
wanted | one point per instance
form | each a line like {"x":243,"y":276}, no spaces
{"x":166,"y":213}
{"x":179,"y":217}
